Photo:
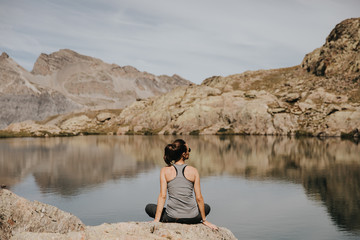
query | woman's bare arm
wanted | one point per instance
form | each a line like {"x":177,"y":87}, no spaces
{"x":200,"y":200}
{"x":162,"y":195}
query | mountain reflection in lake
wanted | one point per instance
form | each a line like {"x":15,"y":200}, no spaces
{"x":244,"y":178}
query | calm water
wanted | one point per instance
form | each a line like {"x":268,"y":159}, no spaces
{"x":258,"y":187}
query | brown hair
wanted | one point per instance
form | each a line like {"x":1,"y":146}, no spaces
{"x":174,"y":151}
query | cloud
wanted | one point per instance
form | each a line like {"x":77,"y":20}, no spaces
{"x":195,"y":39}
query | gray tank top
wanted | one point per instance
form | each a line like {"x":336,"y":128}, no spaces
{"x":181,"y":202}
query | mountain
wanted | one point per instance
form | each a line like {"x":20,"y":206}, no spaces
{"x":320,"y":97}
{"x":21,"y":98}
{"x":92,"y":82}
{"x":66,"y":81}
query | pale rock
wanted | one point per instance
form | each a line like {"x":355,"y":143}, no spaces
{"x":104,"y":116}
{"x":33,"y":127}
{"x":76,"y":123}
{"x":321,"y":95}
{"x":122,"y":130}
{"x":343,"y":122}
{"x":307,"y":105}
{"x":332,"y":108}
{"x":292,"y":97}
{"x":135,"y":231}
{"x":285,"y":123}
{"x":20,"y":215}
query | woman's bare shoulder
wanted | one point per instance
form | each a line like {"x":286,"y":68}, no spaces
{"x":191,"y":169}
{"x":166,"y":169}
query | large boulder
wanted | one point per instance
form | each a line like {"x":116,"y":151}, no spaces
{"x":135,"y":231}
{"x":20,"y":215}
{"x":21,"y":219}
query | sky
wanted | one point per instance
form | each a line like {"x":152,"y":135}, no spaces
{"x":195,"y":39}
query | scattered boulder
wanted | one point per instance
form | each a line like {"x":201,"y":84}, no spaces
{"x":320,"y":95}
{"x":76,"y":123}
{"x":292,"y":97}
{"x":343,"y":122}
{"x":104,"y":116}
{"x":332,"y":108}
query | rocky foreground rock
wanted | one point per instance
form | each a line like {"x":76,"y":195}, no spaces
{"x":320,"y":97}
{"x":21,"y":219}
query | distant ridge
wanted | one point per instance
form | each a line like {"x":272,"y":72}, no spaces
{"x":66,"y":81}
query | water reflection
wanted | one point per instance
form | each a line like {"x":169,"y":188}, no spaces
{"x":329,"y":169}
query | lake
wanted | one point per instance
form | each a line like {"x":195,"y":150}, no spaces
{"x":258,"y":187}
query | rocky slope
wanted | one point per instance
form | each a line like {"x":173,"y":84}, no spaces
{"x":66,"y":81}
{"x":22,"y":219}
{"x":320,"y":97}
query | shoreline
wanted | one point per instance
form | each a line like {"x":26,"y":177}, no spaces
{"x":353,"y":135}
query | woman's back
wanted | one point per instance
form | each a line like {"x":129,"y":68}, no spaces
{"x":181,"y":202}
{"x":181,"y":182}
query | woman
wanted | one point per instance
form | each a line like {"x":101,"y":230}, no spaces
{"x":180,"y":181}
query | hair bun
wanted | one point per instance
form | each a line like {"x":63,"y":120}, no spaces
{"x":174,"y":151}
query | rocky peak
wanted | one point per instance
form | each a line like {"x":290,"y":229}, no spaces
{"x":4,"y":55}
{"x":348,"y":29}
{"x":340,"y":55}
{"x":130,"y":69}
{"x":46,"y":64}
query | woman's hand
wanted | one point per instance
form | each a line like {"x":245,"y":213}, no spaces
{"x":210,"y":225}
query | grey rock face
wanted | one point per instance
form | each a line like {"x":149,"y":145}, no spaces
{"x":16,"y":108}
{"x":22,"y":99}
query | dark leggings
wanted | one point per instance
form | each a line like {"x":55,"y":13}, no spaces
{"x":150,"y":209}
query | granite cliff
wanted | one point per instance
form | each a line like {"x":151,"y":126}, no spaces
{"x":66,"y":81}
{"x":21,"y":219}
{"x":320,"y":97}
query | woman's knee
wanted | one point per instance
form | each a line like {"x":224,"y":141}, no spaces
{"x":207,"y":209}
{"x":150,"y":209}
